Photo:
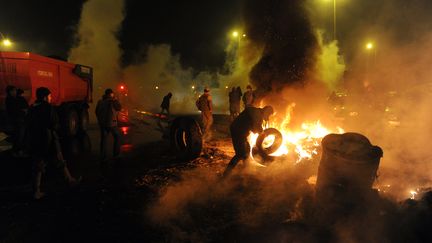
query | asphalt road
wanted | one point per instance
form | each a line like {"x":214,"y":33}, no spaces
{"x":108,"y":208}
{"x":150,"y":196}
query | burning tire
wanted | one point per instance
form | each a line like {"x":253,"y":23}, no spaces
{"x":266,"y":150}
{"x":186,"y":138}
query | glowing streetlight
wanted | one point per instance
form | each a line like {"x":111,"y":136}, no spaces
{"x":371,"y":50}
{"x":235,"y":34}
{"x":156,"y":87}
{"x":193,"y":86}
{"x":5,"y":41}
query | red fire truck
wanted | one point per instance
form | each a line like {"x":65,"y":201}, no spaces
{"x":70,"y":84}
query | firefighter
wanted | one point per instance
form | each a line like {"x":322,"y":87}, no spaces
{"x":249,"y":97}
{"x":44,"y":146}
{"x":205,"y":105}
{"x":234,"y":101}
{"x":106,"y":114}
{"x":250,"y":120}
{"x":166,"y":103}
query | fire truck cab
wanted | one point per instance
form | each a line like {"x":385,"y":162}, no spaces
{"x":70,"y":84}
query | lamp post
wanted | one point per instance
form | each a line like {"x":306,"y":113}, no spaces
{"x":334,"y":19}
{"x":369,"y":48}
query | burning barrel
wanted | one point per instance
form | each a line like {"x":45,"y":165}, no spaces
{"x":347,"y":169}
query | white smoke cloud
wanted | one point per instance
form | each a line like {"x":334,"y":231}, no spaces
{"x":97,"y":45}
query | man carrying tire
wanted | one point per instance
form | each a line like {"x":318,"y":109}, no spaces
{"x":249,"y":120}
{"x":106,"y":113}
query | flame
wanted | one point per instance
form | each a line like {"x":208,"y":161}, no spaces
{"x":304,"y":141}
{"x":413,"y":194}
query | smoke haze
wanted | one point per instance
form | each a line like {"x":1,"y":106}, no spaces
{"x":289,"y":44}
{"x":290,"y":59}
{"x":97,"y":45}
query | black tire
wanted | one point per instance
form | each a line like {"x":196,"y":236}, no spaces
{"x":272,"y":148}
{"x":71,"y":122}
{"x":186,"y":138}
{"x":84,"y":119}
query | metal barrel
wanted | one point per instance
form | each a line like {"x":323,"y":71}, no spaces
{"x":349,"y":163}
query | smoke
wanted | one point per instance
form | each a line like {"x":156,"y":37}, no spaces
{"x":156,"y":70}
{"x":201,"y":205}
{"x":97,"y":45}
{"x":283,"y":30}
{"x":390,"y":88}
{"x":330,"y":66}
{"x":385,"y":86}
{"x":157,"y":66}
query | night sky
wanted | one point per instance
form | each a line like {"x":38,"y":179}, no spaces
{"x":197,"y":30}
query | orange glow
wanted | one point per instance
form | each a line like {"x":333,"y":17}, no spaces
{"x":303,"y":141}
{"x":125,"y":130}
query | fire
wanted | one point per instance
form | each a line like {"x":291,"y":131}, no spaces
{"x":413,"y":194}
{"x":304,"y":141}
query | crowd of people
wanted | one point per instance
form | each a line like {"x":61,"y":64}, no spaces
{"x":35,"y":131}
{"x":36,"y":126}
{"x":35,"y":134}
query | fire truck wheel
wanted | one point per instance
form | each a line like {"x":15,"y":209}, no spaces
{"x":84,"y":119}
{"x":274,"y":146}
{"x":72,"y":122}
{"x":186,"y":138}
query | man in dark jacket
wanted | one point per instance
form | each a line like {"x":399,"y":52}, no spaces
{"x":234,"y":102}
{"x":42,"y":124}
{"x":16,"y":108}
{"x":106,"y":113}
{"x":166,"y":103}
{"x":11,"y":104}
{"x":250,"y":120}
{"x":22,"y":108}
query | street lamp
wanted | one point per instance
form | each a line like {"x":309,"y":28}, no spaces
{"x":236,"y":35}
{"x":334,"y":19}
{"x":5,"y":41}
{"x":369,"y":48}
